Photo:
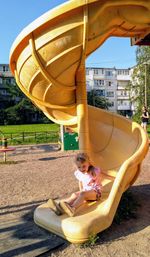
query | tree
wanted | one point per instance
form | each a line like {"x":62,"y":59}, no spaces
{"x":98,"y":101}
{"x":141,"y":75}
{"x":17,"y":108}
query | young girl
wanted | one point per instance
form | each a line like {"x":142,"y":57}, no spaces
{"x":89,"y":186}
{"x":144,"y":118}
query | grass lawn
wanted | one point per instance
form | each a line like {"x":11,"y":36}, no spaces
{"x":29,"y":128}
{"x":30,"y":134}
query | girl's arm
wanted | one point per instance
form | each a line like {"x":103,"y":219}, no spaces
{"x":98,"y":177}
{"x":80,"y":186}
{"x":146,"y":116}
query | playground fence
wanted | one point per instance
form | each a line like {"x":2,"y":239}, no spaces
{"x":32,"y":137}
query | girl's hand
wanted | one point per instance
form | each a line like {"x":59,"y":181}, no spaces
{"x":92,"y":181}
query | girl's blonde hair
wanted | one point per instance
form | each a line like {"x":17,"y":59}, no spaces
{"x":82,"y":157}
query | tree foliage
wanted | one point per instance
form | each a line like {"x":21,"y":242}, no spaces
{"x":141,"y":75}
{"x":98,"y":101}
{"x":17,"y":108}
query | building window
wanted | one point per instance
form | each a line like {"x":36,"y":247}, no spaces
{"x":95,"y":71}
{"x":108,"y":73}
{"x":112,"y":104}
{"x":101,"y":71}
{"x":126,"y":72}
{"x":3,"y":92}
{"x":5,"y":68}
{"x":98,"y":82}
{"x":123,"y":72}
{"x":109,"y":83}
{"x":8,"y":80}
{"x":101,"y":82}
{"x":87,"y":71}
{"x":110,"y":94}
{"x":120,"y":102}
{"x":123,"y":93}
{"x":100,"y":92}
{"x":13,"y":81}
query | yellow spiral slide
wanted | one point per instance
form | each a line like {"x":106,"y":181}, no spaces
{"x":48,"y":62}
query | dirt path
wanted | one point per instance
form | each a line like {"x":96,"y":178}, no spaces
{"x":36,"y":177}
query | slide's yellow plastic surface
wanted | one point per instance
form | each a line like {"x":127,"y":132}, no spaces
{"x":48,"y":61}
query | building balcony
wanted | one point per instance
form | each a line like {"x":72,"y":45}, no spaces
{"x":99,"y":87}
{"x":122,"y":87}
{"x":6,"y":74}
{"x":123,"y":97}
{"x":105,"y":76}
{"x":123,"y":77}
{"x":110,"y":77}
{"x":99,"y":76}
{"x":123,"y":107}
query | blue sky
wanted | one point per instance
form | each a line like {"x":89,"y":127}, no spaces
{"x":17,"y":14}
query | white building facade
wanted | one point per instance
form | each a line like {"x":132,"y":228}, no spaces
{"x":5,"y":78}
{"x":112,"y":84}
{"x":6,"y":73}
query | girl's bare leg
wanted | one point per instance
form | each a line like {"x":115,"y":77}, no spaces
{"x":75,"y":200}
{"x":145,"y":127}
{"x":84,"y":196}
{"x":72,"y":198}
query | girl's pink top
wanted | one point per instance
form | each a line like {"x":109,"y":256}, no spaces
{"x":88,"y":181}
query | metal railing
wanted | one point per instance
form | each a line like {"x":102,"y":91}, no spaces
{"x":32,"y":137}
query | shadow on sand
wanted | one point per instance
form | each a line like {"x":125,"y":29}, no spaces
{"x":31,"y":240}
{"x":53,"y":158}
{"x":35,"y":149}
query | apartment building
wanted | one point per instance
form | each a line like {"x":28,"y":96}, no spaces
{"x":5,"y":77}
{"x":113,"y":84}
{"x":5,"y":74}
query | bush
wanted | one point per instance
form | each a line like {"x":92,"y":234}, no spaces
{"x":137,"y":117}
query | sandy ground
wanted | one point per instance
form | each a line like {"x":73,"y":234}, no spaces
{"x":42,"y":172}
